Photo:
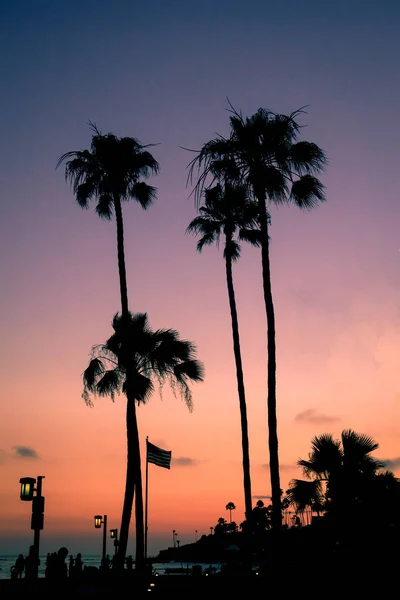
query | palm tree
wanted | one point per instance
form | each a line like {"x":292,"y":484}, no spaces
{"x":148,"y":356}
{"x":228,"y":211}
{"x":305,"y":494}
{"x":350,"y":475}
{"x":278,"y":169}
{"x":230,"y":506}
{"x":112,"y":172}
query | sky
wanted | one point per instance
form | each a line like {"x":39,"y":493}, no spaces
{"x":163,"y":72}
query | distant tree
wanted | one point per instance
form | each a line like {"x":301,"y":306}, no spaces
{"x":231,"y":527}
{"x":262,"y":516}
{"x":279,"y":169}
{"x":221,"y":527}
{"x":113,"y":171}
{"x":152,"y":357}
{"x":230,"y":506}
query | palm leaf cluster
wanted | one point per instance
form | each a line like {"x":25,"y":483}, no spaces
{"x":152,"y":356}
{"x":344,"y":480}
{"x":113,"y":168}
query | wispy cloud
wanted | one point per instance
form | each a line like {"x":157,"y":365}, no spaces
{"x":24,"y":452}
{"x":184,"y":461}
{"x":392,"y":463}
{"x":281,"y":468}
{"x":312,"y":416}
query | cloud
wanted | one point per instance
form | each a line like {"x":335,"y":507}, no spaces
{"x":281,"y":468}
{"x":312,"y":416}
{"x":184,"y":461}
{"x":262,"y":497}
{"x":392,"y":463}
{"x":24,"y":452}
{"x":3,"y":456}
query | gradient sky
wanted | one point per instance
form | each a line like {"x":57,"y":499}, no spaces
{"x":162,"y":71}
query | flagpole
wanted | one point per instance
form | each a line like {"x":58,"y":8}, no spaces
{"x":146,"y":502}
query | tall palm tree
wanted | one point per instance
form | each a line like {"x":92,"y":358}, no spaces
{"x":279,"y":169}
{"x":147,"y":356}
{"x":227,"y":211}
{"x":113,"y":171}
{"x":230,"y":506}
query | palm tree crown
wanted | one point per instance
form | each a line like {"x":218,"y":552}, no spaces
{"x":265,"y":151}
{"x":153,"y":356}
{"x":227,"y":210}
{"x":113,"y":167}
{"x":343,"y":478}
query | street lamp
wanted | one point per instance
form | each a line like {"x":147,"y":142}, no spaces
{"x":195,"y":535}
{"x":114,"y":536}
{"x":174,"y":536}
{"x":27,"y":494}
{"x":99,"y":520}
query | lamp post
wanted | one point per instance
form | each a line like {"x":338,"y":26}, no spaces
{"x":195,"y":535}
{"x":114,"y":536}
{"x":174,"y":534}
{"x":99,"y":520}
{"x":27,"y":494}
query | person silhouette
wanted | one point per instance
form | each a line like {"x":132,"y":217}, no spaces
{"x":32,"y":562}
{"x":71,"y":565}
{"x":20,"y":566}
{"x":78,"y":564}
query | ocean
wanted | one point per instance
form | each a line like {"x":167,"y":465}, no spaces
{"x":8,"y":560}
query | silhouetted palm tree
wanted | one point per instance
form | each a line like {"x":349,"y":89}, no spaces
{"x":305,"y":494}
{"x":112,"y":172}
{"x":230,"y":506}
{"x":149,"y":357}
{"x":351,"y":475}
{"x":278,"y":169}
{"x":227,"y":211}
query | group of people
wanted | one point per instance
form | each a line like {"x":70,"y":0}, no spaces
{"x":110,"y":563}
{"x":56,"y":565}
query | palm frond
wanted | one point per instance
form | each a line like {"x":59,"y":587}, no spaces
{"x":92,"y":372}
{"x":307,"y":158}
{"x":251,"y":236}
{"x":142,"y":192}
{"x":307,"y":192}
{"x":105,"y":207}
{"x":232,"y":250}
{"x":361,"y":443}
{"x":140,"y":386}
{"x":109,"y":384}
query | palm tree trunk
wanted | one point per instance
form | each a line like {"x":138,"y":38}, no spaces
{"x":241,"y":392}
{"x":133,"y":482}
{"x":121,"y":255}
{"x":271,"y":402}
{"x":131,"y":425}
{"x":133,"y":470}
{"x":139,"y":513}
